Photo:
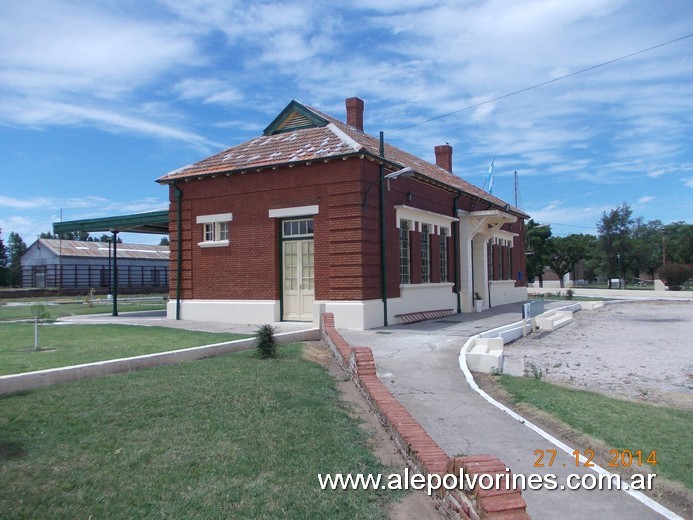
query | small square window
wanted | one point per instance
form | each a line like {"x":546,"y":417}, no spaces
{"x":215,"y":229}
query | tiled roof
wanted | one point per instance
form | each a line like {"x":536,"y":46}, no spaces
{"x":78,"y":248}
{"x":336,"y":139}
{"x":265,"y":151}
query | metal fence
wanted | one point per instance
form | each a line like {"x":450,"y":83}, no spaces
{"x":86,"y":276}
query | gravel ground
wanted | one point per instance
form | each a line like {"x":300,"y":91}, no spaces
{"x":641,"y":351}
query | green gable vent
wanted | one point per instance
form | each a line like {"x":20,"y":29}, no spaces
{"x":294,"y":117}
{"x":294,"y":122}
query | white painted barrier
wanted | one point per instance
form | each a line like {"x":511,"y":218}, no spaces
{"x":484,"y":354}
{"x":29,"y":380}
{"x":553,"y":320}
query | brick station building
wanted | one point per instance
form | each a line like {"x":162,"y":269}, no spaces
{"x":313,"y":216}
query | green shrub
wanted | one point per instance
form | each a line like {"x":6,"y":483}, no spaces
{"x":534,"y":371}
{"x":675,"y":275}
{"x":266,"y":342}
{"x":569,"y":294}
{"x":40,"y":312}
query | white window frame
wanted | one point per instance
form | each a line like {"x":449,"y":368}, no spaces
{"x":215,"y":229}
{"x":426,"y":231}
{"x":309,"y":226}
{"x":404,"y":251}
{"x":443,"y":249}
{"x":416,"y":217}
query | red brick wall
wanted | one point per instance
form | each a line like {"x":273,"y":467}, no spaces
{"x":347,"y":237}
{"x":249,"y":268}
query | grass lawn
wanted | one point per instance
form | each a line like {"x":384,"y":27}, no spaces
{"x":20,"y":312}
{"x":63,"y":345}
{"x":227,"y":437}
{"x":622,"y":425}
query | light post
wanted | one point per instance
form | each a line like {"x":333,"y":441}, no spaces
{"x":404,"y":172}
{"x":618,"y":257}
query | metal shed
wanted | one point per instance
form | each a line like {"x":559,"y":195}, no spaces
{"x":73,"y":264}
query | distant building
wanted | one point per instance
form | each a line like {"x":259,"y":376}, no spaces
{"x":313,"y":216}
{"x":73,"y":264}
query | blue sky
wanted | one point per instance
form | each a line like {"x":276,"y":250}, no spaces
{"x":98,"y":99}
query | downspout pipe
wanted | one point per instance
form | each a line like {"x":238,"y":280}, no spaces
{"x":114,"y":290}
{"x":456,"y":252}
{"x":383,"y":256}
{"x":179,"y":245}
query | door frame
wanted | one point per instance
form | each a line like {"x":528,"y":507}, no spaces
{"x":308,"y":235}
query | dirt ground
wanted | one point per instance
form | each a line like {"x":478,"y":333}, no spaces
{"x":416,"y":505}
{"x":641,"y":351}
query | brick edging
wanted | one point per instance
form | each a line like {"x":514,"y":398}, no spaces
{"x":420,"y":451}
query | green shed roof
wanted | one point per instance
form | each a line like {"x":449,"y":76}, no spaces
{"x":153,"y":222}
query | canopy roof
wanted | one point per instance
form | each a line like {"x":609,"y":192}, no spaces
{"x":153,"y":222}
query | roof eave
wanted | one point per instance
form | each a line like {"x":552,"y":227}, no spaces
{"x":285,"y":164}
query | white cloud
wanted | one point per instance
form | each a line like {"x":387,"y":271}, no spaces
{"x":40,"y":113}
{"x":646,"y":199}
{"x":14,"y":223}
{"x":209,"y":90}
{"x":30,"y":203}
{"x":563,"y":214}
{"x":57,"y":47}
{"x":688,"y":182}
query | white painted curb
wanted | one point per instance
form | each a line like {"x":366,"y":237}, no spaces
{"x":28,"y":380}
{"x":641,"y":497}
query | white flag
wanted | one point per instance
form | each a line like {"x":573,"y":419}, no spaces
{"x":489,"y":178}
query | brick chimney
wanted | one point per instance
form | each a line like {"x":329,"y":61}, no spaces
{"x":354,"y":110}
{"x":444,"y":156}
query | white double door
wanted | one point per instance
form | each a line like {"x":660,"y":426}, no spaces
{"x":299,"y":279}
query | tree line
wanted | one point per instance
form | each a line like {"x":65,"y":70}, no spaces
{"x":626,"y":248}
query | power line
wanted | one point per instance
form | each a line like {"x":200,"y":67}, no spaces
{"x":476,"y":105}
{"x":569,"y":225}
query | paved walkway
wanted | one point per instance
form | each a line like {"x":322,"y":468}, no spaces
{"x":419,"y":365}
{"x":158,"y":319}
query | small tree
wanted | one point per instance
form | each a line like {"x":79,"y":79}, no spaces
{"x":40,"y":313}
{"x":566,"y":252}
{"x":537,"y":250}
{"x":615,"y":237}
{"x":266,"y":342}
{"x":675,"y":275}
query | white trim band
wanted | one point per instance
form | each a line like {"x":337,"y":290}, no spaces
{"x":219,"y":217}
{"x":299,"y":211}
